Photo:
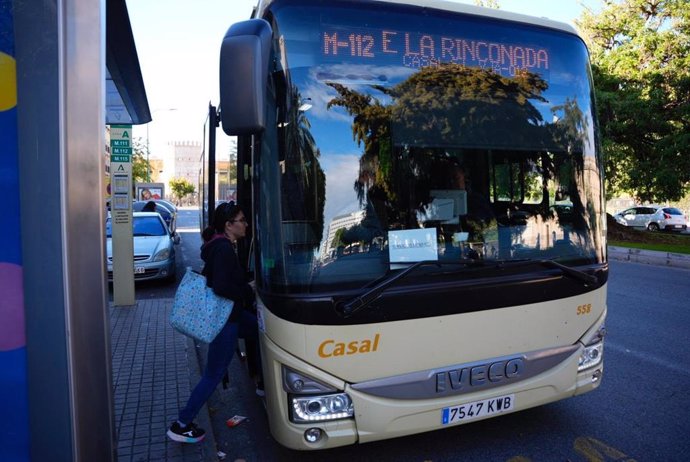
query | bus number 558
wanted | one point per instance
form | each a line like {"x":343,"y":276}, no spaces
{"x":584,"y":309}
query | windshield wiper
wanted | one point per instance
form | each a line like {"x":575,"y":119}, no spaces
{"x":588,"y":279}
{"x":357,"y":303}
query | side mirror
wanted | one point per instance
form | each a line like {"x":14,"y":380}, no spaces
{"x":244,"y":56}
{"x":176,"y":238}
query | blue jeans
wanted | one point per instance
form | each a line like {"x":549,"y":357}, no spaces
{"x":220,"y":353}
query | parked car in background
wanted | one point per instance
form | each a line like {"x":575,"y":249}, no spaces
{"x":166,"y":203}
{"x":653,"y":218}
{"x":173,"y":210}
{"x":154,"y":247}
{"x":169,"y":217}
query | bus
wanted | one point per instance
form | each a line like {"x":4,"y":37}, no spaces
{"x":424,"y":181}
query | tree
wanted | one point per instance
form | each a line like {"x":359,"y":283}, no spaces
{"x":232,"y":166}
{"x":338,"y":238}
{"x":181,"y":188}
{"x":437,"y":106}
{"x":641,"y":65}
{"x":304,"y":181}
{"x":140,"y":165}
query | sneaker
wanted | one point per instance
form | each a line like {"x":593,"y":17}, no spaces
{"x":187,"y":434}
{"x":260,"y":388}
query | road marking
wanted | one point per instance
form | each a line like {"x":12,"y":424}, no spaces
{"x":595,"y":451}
{"x":675,"y":367}
{"x":187,"y":230}
{"x":592,"y":449}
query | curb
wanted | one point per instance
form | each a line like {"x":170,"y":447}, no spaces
{"x":650,"y":257}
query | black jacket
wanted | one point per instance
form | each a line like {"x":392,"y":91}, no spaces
{"x":225,"y":275}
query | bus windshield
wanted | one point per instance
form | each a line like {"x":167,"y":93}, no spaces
{"x":422,"y":136}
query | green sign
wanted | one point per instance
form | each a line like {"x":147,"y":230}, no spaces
{"x":116,"y":151}
{"x":120,"y":158}
{"x":121,"y":143}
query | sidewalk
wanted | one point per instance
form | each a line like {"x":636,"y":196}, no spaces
{"x":154,"y":369}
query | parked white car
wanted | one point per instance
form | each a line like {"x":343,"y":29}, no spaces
{"x":653,"y":218}
{"x":154,"y":247}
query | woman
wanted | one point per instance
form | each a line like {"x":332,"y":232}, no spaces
{"x":228,"y":279}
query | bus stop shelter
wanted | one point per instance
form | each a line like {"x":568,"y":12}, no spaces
{"x":67,"y":69}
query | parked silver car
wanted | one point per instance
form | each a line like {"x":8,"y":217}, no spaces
{"x":168,"y":215}
{"x":653,"y":218}
{"x":154,"y":247}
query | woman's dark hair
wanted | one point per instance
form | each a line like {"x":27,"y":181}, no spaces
{"x":227,"y":211}
{"x":150,"y":206}
{"x":208,"y":233}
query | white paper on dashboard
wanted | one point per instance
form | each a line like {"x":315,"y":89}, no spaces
{"x":460,"y":237}
{"x":412,"y":245}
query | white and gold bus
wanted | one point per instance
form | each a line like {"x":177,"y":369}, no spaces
{"x":425,"y":186}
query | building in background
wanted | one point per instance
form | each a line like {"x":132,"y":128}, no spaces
{"x":181,"y":160}
{"x":340,"y":222}
{"x":226,"y":181}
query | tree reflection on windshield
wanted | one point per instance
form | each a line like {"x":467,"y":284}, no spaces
{"x":441,"y":111}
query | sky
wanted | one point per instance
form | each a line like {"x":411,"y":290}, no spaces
{"x":178,"y":43}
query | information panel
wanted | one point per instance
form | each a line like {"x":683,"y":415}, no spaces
{"x":121,"y":214}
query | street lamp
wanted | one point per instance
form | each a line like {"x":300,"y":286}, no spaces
{"x":148,"y":150}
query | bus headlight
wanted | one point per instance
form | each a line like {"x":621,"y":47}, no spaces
{"x":320,"y":408}
{"x":591,"y":356}
{"x":302,"y":384}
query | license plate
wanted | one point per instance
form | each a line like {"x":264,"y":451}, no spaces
{"x":679,"y":226}
{"x":476,"y":409}
{"x":139,"y":270}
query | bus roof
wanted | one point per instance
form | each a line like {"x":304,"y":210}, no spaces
{"x":444,"y":5}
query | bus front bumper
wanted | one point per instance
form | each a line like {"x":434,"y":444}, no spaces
{"x":376,"y":418}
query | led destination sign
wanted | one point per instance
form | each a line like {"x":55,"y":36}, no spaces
{"x":417,"y":50}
